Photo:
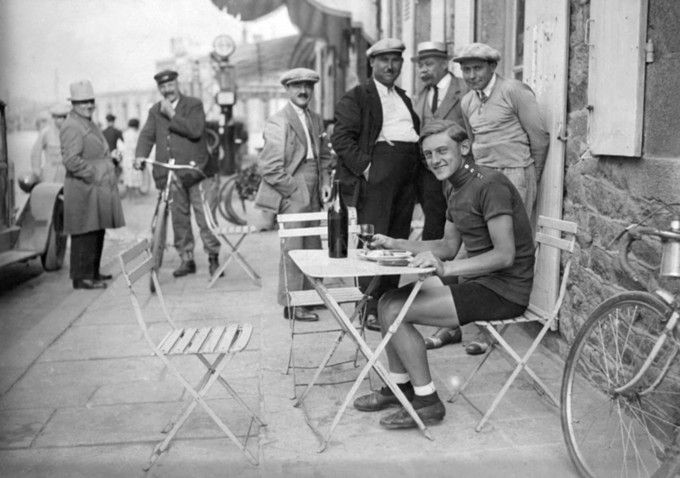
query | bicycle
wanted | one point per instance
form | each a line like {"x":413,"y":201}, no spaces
{"x":159,"y":221}
{"x":620,"y":396}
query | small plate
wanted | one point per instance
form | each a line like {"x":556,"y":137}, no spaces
{"x":385,"y":255}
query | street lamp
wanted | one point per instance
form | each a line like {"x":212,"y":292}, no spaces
{"x":223,"y":47}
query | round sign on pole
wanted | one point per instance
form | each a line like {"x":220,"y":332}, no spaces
{"x":224,"y":45}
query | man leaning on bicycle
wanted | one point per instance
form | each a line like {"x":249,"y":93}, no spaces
{"x":176,"y":125}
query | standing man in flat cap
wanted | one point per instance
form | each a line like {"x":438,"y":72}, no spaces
{"x":50,"y":168}
{"x":376,"y":139}
{"x":439,"y":99}
{"x":503,"y":120}
{"x":91,"y":201}
{"x":111,"y":133}
{"x":295,"y":168}
{"x":176,"y":125}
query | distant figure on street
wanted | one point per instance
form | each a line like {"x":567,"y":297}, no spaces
{"x":376,"y":139}
{"x":46,"y":160}
{"x":134,"y":179}
{"x":112,"y":134}
{"x":91,"y":201}
{"x":176,"y":125}
{"x":294,"y":164}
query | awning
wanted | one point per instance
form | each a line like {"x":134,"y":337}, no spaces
{"x":313,"y":17}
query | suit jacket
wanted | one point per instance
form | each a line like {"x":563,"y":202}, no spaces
{"x":359,"y":119}
{"x":182,"y":138}
{"x":450,"y":106}
{"x":285,"y":149}
{"x":91,"y":200}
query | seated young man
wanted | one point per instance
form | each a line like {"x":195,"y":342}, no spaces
{"x":486,"y":214}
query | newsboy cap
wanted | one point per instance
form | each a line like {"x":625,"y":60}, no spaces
{"x":386,"y":45}
{"x":477,"y":51}
{"x":165,"y":76}
{"x":60,"y":109}
{"x":299,"y":75}
{"x":428,"y":49}
{"x":110,"y":117}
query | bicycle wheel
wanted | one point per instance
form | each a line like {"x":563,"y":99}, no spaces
{"x":626,"y":433}
{"x":159,"y":231}
{"x":230,"y":205}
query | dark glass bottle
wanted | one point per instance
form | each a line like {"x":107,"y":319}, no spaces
{"x":337,"y":224}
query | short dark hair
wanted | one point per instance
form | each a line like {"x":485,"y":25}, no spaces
{"x":110,"y":117}
{"x":436,"y":126}
{"x":133,"y":123}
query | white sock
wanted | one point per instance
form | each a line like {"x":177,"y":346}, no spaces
{"x":425,"y":389}
{"x":400,"y":377}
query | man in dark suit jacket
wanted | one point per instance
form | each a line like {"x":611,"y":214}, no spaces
{"x":440,"y":99}
{"x":176,"y":125}
{"x":376,"y":139}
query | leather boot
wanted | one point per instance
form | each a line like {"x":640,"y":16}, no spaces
{"x":188,"y":266}
{"x":214,"y":264}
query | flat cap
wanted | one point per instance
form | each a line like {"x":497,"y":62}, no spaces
{"x":165,"y":76}
{"x":477,"y":51}
{"x":299,"y":75}
{"x":428,"y":49}
{"x":60,"y":109}
{"x":110,"y":117}
{"x":386,"y":45}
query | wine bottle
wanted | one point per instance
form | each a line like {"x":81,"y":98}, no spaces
{"x":337,"y":224}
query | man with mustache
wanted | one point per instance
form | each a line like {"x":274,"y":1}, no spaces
{"x":176,"y":125}
{"x":376,"y":139}
{"x":295,"y":167}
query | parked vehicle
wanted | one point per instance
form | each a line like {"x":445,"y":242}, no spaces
{"x":36,"y":230}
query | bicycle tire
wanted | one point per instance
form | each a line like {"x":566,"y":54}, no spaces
{"x":158,"y":239}
{"x":630,"y":432}
{"x":228,"y":197}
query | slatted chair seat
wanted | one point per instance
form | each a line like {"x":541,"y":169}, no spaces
{"x":225,"y":235}
{"x":224,"y":342}
{"x":554,"y":234}
{"x":313,"y":224}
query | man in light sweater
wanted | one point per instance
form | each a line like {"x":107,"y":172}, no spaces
{"x":504,"y":122}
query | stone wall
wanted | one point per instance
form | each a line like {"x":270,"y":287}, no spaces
{"x":603,"y":195}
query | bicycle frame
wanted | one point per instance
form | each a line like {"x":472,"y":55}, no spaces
{"x":631,"y":234}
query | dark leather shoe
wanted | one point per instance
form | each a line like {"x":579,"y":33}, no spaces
{"x":302,"y":314}
{"x":186,"y":267}
{"x":214,"y":264}
{"x":101,"y":276}
{"x":444,"y":337}
{"x":380,"y":400}
{"x":430,"y":414}
{"x":88,"y":284}
{"x":372,"y":323}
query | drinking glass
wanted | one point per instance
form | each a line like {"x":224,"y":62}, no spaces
{"x":366,"y":232}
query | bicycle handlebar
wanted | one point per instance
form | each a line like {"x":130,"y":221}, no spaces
{"x":634,"y":233}
{"x":176,"y":167}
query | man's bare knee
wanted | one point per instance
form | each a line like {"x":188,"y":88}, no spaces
{"x":389,"y":306}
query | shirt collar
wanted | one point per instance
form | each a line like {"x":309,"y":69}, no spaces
{"x":444,"y":83}
{"x":382,"y":89}
{"x":299,"y":111}
{"x":489,"y":86}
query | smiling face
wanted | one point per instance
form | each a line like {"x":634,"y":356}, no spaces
{"x":386,"y":68}
{"x":477,"y":73}
{"x":443,"y":155}
{"x":300,"y":92}
{"x":432,"y":69}
{"x":169,"y":90}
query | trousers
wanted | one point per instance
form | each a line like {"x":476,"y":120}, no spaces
{"x":183,"y":201}
{"x":86,"y":254}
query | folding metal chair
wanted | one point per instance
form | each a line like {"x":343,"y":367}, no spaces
{"x":551,"y":233}
{"x":222,"y":234}
{"x":305,"y":225}
{"x":224,"y":341}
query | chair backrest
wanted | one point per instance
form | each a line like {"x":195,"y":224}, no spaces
{"x":304,"y":224}
{"x":560,"y":235}
{"x":135,"y":263}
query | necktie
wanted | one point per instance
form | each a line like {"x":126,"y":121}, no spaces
{"x":435,"y":99}
{"x":482,"y":96}
{"x":310,"y":131}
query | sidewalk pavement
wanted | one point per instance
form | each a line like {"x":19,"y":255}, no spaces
{"x":83,"y":396}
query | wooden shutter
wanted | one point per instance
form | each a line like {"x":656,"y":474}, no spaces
{"x":546,"y":47}
{"x":616,"y":76}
